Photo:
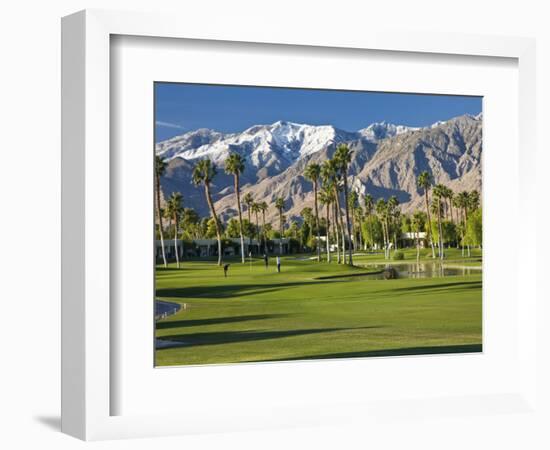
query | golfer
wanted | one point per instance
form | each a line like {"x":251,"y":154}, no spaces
{"x":225,"y":269}
{"x":278,"y":264}
{"x":266,"y":261}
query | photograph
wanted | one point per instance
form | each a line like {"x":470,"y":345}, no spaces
{"x":293,"y":223}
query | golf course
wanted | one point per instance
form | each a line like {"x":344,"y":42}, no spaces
{"x":318,"y":310}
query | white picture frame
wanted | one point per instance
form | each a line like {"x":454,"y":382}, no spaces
{"x":87,"y":288}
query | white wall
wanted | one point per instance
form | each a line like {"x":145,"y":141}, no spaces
{"x":30,"y":187}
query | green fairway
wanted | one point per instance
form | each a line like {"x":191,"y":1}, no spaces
{"x":260,"y":315}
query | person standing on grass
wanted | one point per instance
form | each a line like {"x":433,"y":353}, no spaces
{"x":278,"y":264}
{"x":225,"y":269}
{"x":266,"y":261}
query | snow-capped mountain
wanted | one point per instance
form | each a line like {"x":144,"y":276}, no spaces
{"x":377,"y":131}
{"x":281,"y":143}
{"x":386,"y":161}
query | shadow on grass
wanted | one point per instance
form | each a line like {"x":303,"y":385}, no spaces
{"x":232,"y":290}
{"x":214,"y":321}
{"x":460,"y":285}
{"x":407,"y":351}
{"x":230,"y":337}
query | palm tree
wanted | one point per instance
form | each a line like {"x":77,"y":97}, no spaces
{"x":473,"y":200}
{"x":382,"y":212}
{"x":280,"y":205}
{"x":417,"y":223}
{"x":325,"y":197}
{"x":352,"y":205}
{"x":358,"y":219}
{"x":343,"y":159}
{"x":329,"y":175}
{"x":234,"y":165}
{"x":248,"y":200}
{"x":312,"y":173}
{"x":160,"y":168}
{"x":203,"y":173}
{"x":263,"y":209}
{"x":424,"y":182}
{"x":255,"y":211}
{"x":393,"y":213}
{"x":369,"y":206}
{"x":175,"y":209}
{"x":461,"y":202}
{"x":439,"y":192}
{"x":449,"y":195}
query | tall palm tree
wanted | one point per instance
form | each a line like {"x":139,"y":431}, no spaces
{"x":234,"y":165}
{"x":417,"y":223}
{"x":352,"y":205}
{"x":358,"y":219}
{"x":248,"y":200}
{"x":263,"y":209}
{"x":424,"y":182}
{"x":160,"y":168}
{"x":329,"y":175}
{"x":461,"y":202}
{"x":473,"y":200}
{"x":325,"y":198}
{"x":280,"y":205}
{"x":312,"y":173}
{"x":450,"y":196}
{"x":255,"y":210}
{"x":369,"y":206}
{"x":393,"y":214}
{"x":203,"y":173}
{"x":175,"y":209}
{"x":439,"y":193}
{"x":343,"y":159}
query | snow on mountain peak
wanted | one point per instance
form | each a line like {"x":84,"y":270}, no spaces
{"x":382,"y":130}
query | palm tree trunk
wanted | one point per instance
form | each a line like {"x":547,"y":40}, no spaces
{"x":348,"y":225}
{"x":216,"y":222}
{"x":429,"y":222}
{"x":388,"y":240}
{"x":176,"y":240}
{"x":317,"y":222}
{"x":160,"y":222}
{"x":281,"y":232}
{"x":237,"y":191}
{"x":441,"y":255}
{"x":336,"y":232}
{"x":417,"y":247}
{"x":257,"y":230}
{"x":328,"y":232}
{"x":465,"y":225}
{"x":263,"y":232}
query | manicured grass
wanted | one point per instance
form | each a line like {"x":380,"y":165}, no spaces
{"x":260,"y":315}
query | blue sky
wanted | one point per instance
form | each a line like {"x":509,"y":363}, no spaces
{"x":181,"y":107}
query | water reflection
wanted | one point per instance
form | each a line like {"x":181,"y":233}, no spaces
{"x":418,"y":270}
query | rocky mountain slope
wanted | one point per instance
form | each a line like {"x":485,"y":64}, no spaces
{"x":386,"y":161}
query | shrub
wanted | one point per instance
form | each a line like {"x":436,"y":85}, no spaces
{"x":398,"y":256}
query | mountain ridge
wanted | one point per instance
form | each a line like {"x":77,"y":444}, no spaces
{"x":386,"y":161}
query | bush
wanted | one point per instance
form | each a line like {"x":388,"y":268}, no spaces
{"x":398,"y":256}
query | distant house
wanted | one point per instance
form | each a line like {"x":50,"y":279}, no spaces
{"x":409,"y":239}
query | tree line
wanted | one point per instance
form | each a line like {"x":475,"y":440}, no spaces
{"x":346,"y":221}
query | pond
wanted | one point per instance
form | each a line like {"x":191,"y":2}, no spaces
{"x":420,"y":270}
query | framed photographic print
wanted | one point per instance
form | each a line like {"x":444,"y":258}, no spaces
{"x":290,"y":229}
{"x":287,"y":229}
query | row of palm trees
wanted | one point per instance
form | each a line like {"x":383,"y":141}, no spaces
{"x":344,"y":217}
